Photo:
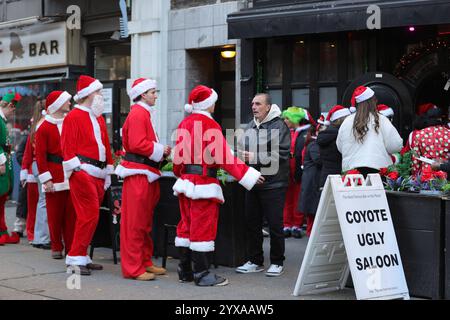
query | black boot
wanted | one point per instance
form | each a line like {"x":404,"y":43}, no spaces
{"x":202,"y":276}
{"x":185,"y":273}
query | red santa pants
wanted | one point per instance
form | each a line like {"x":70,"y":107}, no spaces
{"x":139,"y":199}
{"x":61,"y":219}
{"x":197,"y":228}
{"x":32,"y":201}
{"x":87,"y":194}
{"x":3,"y":227}
{"x":291,"y":216}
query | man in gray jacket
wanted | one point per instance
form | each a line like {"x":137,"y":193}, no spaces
{"x":265,"y":146}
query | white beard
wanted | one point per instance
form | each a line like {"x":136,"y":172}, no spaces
{"x":98,"y":105}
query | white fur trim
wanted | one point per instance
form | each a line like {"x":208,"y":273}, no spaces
{"x":123,"y":172}
{"x":23,"y":174}
{"x":325,"y":123}
{"x":188,"y":108}
{"x":388,"y":112}
{"x":2,"y":158}
{"x":203,"y":246}
{"x":31,"y":179}
{"x":63,"y":98}
{"x":366,"y":95}
{"x":94,"y":171}
{"x":410,"y":138}
{"x":98,"y":137}
{"x":250,"y":178}
{"x":94,"y":86}
{"x":205,"y":104}
{"x":110,"y":169}
{"x":200,"y":191}
{"x":158,"y":152}
{"x":339,"y":114}
{"x":71,"y":164}
{"x":182,"y":242}
{"x":77,"y":260}
{"x":46,"y":176}
{"x":352,"y":109}
{"x":205,"y":113}
{"x":142,"y":87}
{"x":60,"y":186}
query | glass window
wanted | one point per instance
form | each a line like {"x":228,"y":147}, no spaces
{"x":112,"y":62}
{"x":328,"y":61}
{"x":274,"y":62}
{"x":277,"y":97}
{"x":357,"y":57}
{"x":300,"y":98}
{"x":300,"y":65}
{"x":327,"y":98}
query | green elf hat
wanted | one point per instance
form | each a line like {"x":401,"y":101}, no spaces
{"x":294,"y":114}
{"x":12,"y":97}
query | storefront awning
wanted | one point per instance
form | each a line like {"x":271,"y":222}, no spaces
{"x":333,"y":16}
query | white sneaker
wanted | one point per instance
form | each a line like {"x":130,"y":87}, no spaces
{"x":249,"y":268}
{"x":274,"y":270}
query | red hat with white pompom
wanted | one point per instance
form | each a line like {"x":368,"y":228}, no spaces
{"x":385,"y":110}
{"x":141,"y":86}
{"x":360,"y":94}
{"x":85,"y":86}
{"x":200,"y":98}
{"x":337,"y":112}
{"x":55,"y":100}
{"x":424,"y":108}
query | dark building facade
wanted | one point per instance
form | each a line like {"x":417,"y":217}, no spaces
{"x":314,"y":53}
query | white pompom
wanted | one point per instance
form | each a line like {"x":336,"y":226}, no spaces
{"x":188,"y":108}
{"x":352,"y":109}
{"x":44,"y":113}
{"x":326,"y":123}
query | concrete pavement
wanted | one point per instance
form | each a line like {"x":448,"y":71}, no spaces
{"x":30,"y":273}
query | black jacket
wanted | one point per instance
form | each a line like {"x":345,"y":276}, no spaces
{"x":21,"y":149}
{"x":310,"y":194}
{"x":299,"y":145}
{"x":273,"y":151}
{"x":329,"y":154}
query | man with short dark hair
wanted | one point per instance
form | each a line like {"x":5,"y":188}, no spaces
{"x":266,"y":147}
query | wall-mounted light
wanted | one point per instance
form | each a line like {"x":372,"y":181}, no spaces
{"x":228,"y":54}
{"x":412,"y":29}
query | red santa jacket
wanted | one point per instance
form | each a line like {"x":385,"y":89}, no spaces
{"x":48,"y":141}
{"x":85,"y":134}
{"x":139,"y":137}
{"x":200,"y":141}
{"x":26,"y":172}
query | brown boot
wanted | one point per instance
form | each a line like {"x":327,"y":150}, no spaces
{"x":94,"y":266}
{"x":145,"y":277}
{"x":156,"y":270}
{"x":81,"y":270}
{"x":57,"y":255}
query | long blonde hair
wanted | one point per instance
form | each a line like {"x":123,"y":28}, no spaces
{"x":39,"y":106}
{"x":362,"y":118}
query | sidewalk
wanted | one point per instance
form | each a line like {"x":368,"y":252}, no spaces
{"x":30,"y":273}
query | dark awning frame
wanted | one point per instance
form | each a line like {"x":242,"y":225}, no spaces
{"x":343,"y":15}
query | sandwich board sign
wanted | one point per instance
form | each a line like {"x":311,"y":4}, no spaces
{"x":353,"y":232}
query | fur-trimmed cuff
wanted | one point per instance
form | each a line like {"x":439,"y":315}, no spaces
{"x":71,"y":164}
{"x":182,"y":242}
{"x":46,"y":176}
{"x":109,"y":169}
{"x":250,"y":178}
{"x":158,"y":152}
{"x":203,"y":246}
{"x":77,"y":260}
{"x":2,"y":158}
{"x":23,"y":174}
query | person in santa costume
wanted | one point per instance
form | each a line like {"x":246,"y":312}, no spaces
{"x":87,"y":162}
{"x":49,"y":158}
{"x":386,"y":111}
{"x":7,"y":109}
{"x":292,"y":218}
{"x":140,"y":193}
{"x":200,"y":150}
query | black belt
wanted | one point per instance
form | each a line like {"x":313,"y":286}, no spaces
{"x":133,"y":157}
{"x":198,"y":169}
{"x":54,"y":158}
{"x":94,"y":162}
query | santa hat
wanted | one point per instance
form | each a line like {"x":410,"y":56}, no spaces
{"x":85,"y":86}
{"x":385,"y":110}
{"x":337,"y":112}
{"x":12,"y":97}
{"x":360,"y":94}
{"x":321,"y":120}
{"x":424,"y":108}
{"x":55,"y":101}
{"x":140,"y":86}
{"x":309,"y":118}
{"x":200,"y":98}
{"x":294,"y":114}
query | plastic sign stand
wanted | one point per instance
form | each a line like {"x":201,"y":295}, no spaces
{"x":353,"y":231}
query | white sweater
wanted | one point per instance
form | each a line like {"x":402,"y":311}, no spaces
{"x":376,"y":148}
